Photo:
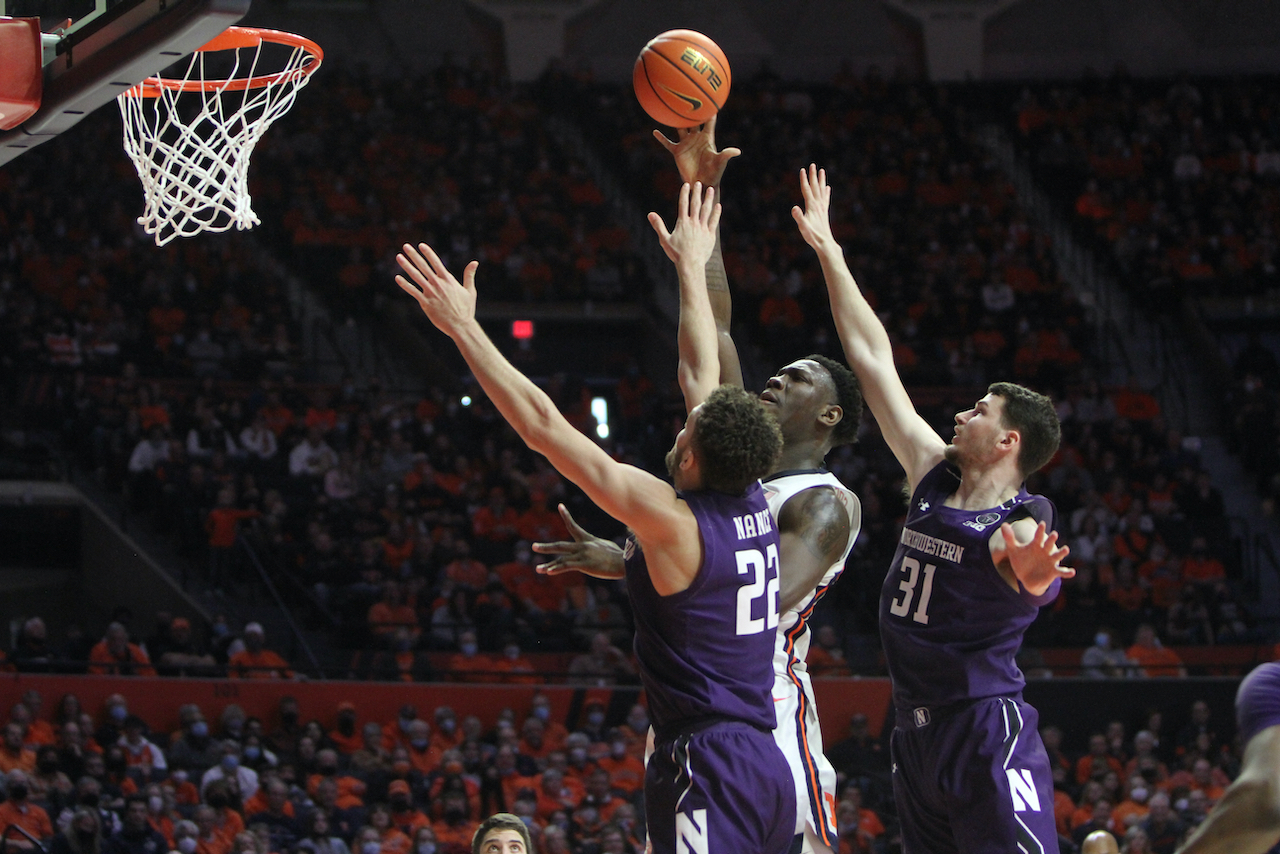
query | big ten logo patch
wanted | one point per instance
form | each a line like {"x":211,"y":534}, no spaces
{"x":1022,"y":789}
{"x":691,"y":833}
{"x":702,"y":67}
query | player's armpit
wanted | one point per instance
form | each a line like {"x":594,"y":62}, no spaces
{"x":813,"y":529}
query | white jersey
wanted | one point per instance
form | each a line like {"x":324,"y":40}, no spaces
{"x":797,"y":732}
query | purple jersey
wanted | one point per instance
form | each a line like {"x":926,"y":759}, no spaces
{"x":949,"y":622}
{"x":1258,"y":701}
{"x":707,"y":651}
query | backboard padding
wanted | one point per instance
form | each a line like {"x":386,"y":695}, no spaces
{"x":136,"y":39}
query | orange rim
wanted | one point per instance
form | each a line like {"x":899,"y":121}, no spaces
{"x":234,"y":38}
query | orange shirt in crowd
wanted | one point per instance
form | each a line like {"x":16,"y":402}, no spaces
{"x":29,"y":817}
{"x":263,"y":664}
{"x":134,"y":662}
{"x":1156,"y":661}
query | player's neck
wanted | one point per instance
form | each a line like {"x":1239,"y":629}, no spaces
{"x":984,"y":488}
{"x":800,"y":455}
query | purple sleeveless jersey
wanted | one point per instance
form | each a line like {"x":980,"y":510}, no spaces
{"x":949,"y":622}
{"x":707,"y":652}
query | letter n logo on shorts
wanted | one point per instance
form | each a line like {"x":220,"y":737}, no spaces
{"x":1023,"y":790}
{"x":691,"y":834}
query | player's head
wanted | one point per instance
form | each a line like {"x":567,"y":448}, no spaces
{"x":815,"y":396}
{"x":501,"y":833}
{"x":1099,"y":842}
{"x":1011,"y":419}
{"x":727,"y":443}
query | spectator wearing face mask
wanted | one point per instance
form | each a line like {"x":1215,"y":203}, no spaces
{"x":230,"y":769}
{"x":1105,"y":661}
{"x":18,"y":810}
{"x":636,"y":730}
{"x":1133,"y":808}
{"x":185,"y":837}
{"x":193,"y":748}
{"x":162,"y":811}
{"x":553,"y":732}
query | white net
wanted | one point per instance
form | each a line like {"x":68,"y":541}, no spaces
{"x":191,"y":138}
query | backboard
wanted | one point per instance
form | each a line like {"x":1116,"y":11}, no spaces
{"x":107,"y":46}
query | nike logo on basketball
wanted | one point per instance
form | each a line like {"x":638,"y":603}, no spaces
{"x":694,"y":103}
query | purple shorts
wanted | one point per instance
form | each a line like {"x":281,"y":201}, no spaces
{"x":726,"y":789}
{"x":973,"y":779}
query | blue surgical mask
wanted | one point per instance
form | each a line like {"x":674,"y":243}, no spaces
{"x":1101,"y":639}
{"x":252,"y":752}
{"x":230,"y":763}
{"x":200,"y":729}
{"x":119,"y":713}
{"x":542,"y":713}
{"x":469,"y":649}
{"x":595,"y":718}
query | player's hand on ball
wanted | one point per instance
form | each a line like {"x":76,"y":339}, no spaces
{"x":1036,"y":563}
{"x":693,"y":239}
{"x":814,"y":219}
{"x":444,"y":300}
{"x":587,"y":553}
{"x":695,"y":153}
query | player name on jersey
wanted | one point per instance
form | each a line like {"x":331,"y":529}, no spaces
{"x":753,"y":524}
{"x":932,"y":545}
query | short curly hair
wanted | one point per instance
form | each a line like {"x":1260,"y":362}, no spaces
{"x":848,"y":396}
{"x":500,"y":821}
{"x":736,"y":440}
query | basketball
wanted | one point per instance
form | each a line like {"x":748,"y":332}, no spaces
{"x":681,"y":78}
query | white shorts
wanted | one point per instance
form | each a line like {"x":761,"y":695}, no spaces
{"x":799,"y":736}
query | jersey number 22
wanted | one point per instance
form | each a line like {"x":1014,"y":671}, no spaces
{"x":763,"y":589}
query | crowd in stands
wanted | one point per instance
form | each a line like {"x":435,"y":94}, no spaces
{"x":452,"y":158}
{"x":1179,"y":179}
{"x":406,"y":519}
{"x":107,"y":780}
{"x":1177,"y":183}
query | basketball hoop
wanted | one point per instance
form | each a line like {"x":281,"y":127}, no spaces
{"x":191,"y":138}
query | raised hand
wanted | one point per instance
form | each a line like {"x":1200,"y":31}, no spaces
{"x":446,"y":302}
{"x":695,"y":153}
{"x":1037,"y":563}
{"x":815,"y":218}
{"x":693,"y":239}
{"x":587,"y":553}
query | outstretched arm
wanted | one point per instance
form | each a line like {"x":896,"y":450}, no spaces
{"x":697,"y":159}
{"x":866,"y":343}
{"x":586,"y":553}
{"x":1247,"y":818}
{"x":689,"y":245}
{"x":647,"y":505}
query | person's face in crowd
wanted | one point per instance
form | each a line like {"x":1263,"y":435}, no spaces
{"x":502,"y":842}
{"x":135,"y":816}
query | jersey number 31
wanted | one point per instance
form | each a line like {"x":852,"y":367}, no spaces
{"x":762,"y":589}
{"x":900,"y":607}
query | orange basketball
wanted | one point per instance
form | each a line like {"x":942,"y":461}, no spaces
{"x":681,"y":78}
